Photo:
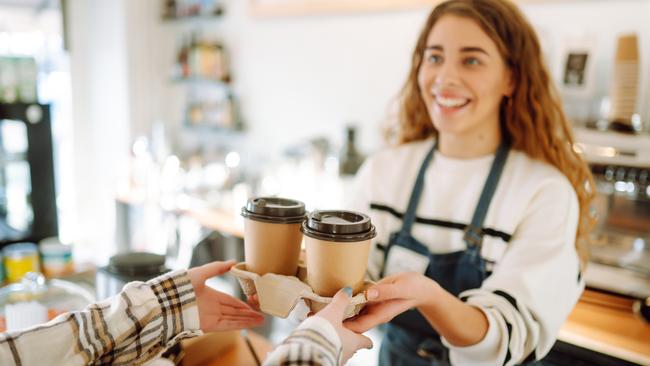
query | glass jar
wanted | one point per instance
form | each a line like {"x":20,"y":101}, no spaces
{"x":35,"y":300}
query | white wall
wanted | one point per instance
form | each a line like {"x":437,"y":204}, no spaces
{"x":307,"y":76}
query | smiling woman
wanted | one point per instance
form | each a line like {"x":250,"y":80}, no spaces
{"x":498,"y":203}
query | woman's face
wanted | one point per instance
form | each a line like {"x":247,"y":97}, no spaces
{"x":463,"y":78}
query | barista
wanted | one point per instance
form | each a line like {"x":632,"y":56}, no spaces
{"x":482,"y":207}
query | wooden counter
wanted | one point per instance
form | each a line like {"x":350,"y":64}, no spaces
{"x":606,"y":324}
{"x":224,"y":349}
{"x":217,"y":220}
{"x":240,"y":354}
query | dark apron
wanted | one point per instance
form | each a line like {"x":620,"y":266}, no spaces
{"x":410,"y":339}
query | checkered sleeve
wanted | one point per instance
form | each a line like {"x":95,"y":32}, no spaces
{"x":314,"y":342}
{"x":128,"y":329}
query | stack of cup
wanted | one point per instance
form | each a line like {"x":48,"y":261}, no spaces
{"x":337,"y":245}
{"x":272,"y":235}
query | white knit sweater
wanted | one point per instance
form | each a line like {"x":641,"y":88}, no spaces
{"x":538,"y":267}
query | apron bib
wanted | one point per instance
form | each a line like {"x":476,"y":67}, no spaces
{"x":410,"y":340}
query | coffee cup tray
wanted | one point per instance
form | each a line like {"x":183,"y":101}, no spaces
{"x":279,"y":294}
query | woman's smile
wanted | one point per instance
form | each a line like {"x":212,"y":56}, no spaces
{"x":446,"y":103}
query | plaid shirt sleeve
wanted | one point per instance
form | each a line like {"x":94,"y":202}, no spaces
{"x":314,"y":342}
{"x":130,"y":328}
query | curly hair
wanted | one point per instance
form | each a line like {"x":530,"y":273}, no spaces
{"x":532,"y":119}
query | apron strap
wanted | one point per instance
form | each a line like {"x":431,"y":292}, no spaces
{"x":410,"y":214}
{"x":474,"y":231}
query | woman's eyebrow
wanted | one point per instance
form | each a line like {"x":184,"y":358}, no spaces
{"x":436,"y":47}
{"x":474,"y":49}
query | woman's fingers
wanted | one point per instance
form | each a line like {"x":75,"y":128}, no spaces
{"x":225,"y":299}
{"x":214,"y":269}
{"x":335,"y":310}
{"x":256,"y":317}
{"x":232,"y":312}
{"x":376,"y":314}
{"x":363,"y":342}
{"x":386,"y":291}
{"x":253,"y":301}
{"x":236,"y":324}
{"x":236,"y":307}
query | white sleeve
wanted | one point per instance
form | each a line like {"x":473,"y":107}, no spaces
{"x":359,"y":195}
{"x":138,"y":324}
{"x":534,"y":287}
{"x":314,"y":342}
{"x":359,"y":198}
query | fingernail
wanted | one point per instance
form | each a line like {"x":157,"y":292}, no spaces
{"x":348,"y":290}
{"x":372,"y":294}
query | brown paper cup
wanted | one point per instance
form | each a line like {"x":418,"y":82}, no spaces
{"x":334,"y":265}
{"x":272,"y":247}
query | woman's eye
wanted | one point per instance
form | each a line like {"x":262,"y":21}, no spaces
{"x":472,"y":61}
{"x":434,"y":59}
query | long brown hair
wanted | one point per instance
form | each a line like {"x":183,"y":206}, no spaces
{"x":532,"y":119}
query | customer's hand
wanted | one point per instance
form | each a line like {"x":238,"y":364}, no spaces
{"x":219,"y":311}
{"x":390,"y":297}
{"x":254,"y":301}
{"x":334,"y":313}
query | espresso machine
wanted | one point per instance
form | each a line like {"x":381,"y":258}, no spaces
{"x":620,"y":243}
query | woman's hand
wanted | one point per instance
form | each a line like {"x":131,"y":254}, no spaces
{"x":390,"y":297}
{"x":219,"y":311}
{"x":253,"y":301}
{"x":447,"y":314}
{"x":334,"y":313}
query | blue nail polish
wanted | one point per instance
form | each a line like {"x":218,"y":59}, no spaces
{"x":348,"y":290}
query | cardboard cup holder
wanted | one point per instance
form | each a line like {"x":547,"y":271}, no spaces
{"x":279,"y":294}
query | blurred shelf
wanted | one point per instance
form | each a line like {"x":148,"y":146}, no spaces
{"x":193,"y":18}
{"x":209,"y":128}
{"x":202,"y":80}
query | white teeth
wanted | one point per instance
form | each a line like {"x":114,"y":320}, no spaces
{"x":451,"y":102}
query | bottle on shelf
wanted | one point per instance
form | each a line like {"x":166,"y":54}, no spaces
{"x":181,"y":9}
{"x":202,"y":60}
{"x":213,"y":113}
{"x":350,"y":159}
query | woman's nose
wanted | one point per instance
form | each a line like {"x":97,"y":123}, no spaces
{"x":446,"y":74}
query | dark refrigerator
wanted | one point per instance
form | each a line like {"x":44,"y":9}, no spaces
{"x":27,"y":194}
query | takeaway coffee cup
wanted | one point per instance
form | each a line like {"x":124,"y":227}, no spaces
{"x":272,"y":235}
{"x":337,"y":244}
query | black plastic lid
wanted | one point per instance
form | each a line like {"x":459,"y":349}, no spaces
{"x":338,"y":225}
{"x":137,"y":264}
{"x":274,"y":209}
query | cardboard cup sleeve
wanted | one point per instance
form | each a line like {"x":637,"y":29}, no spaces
{"x":279,"y":294}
